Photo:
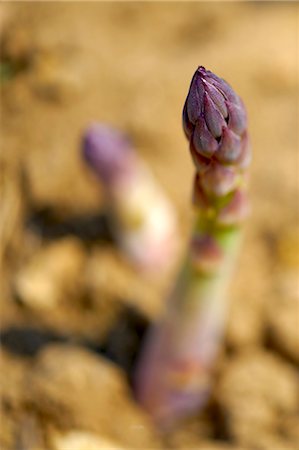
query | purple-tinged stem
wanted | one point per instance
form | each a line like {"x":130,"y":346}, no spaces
{"x":173,"y":374}
{"x":147,"y":235}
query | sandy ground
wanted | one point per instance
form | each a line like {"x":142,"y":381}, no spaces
{"x":73,"y":311}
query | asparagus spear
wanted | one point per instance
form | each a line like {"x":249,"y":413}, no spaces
{"x":146,"y":234}
{"x":173,"y":374}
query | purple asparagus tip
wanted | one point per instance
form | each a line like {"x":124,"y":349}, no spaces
{"x":107,"y":151}
{"x":214,"y":119}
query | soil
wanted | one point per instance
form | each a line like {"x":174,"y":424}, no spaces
{"x":73,"y":311}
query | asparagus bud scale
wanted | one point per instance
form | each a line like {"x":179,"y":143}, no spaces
{"x":173,"y":374}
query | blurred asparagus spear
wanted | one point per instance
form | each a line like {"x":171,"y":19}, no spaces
{"x":173,"y":374}
{"x":144,"y":220}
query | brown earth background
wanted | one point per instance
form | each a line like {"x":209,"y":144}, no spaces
{"x":73,"y":311}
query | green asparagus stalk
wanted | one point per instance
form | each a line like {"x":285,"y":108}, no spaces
{"x":173,"y":374}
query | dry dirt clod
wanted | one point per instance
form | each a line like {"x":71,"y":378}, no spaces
{"x":82,"y":440}
{"x":52,"y":275}
{"x":256,"y":392}
{"x":109,"y":276}
{"x":17,"y":426}
{"x":78,"y":389}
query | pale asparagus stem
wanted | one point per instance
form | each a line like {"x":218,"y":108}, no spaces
{"x":173,"y":374}
{"x":144,"y":220}
{"x":174,"y":371}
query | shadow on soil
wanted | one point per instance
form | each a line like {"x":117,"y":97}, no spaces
{"x":121,"y":344}
{"x":93,"y":227}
